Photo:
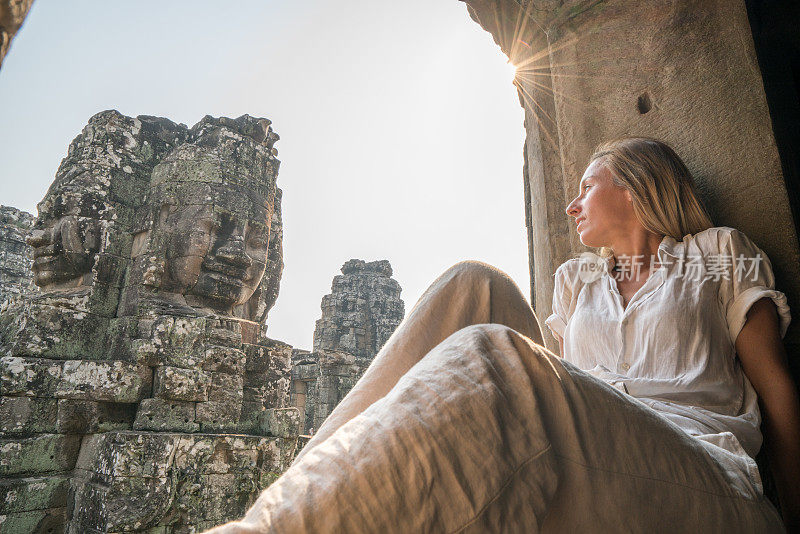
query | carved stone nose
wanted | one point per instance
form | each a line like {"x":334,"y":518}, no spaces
{"x":38,"y":238}
{"x":233,"y":254}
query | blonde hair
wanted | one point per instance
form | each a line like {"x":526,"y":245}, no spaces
{"x":665,"y":199}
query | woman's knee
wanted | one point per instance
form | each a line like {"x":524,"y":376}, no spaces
{"x":473,"y":273}
{"x":499,"y":341}
{"x":475,"y":269}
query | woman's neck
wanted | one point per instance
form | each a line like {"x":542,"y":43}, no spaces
{"x":637,"y":249}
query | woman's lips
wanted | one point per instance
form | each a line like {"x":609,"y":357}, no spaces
{"x":579,"y":224}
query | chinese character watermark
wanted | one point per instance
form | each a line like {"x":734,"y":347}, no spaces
{"x":696,"y":268}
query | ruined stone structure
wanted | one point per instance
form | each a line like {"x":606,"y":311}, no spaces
{"x":138,"y":389}
{"x":360,"y":314}
{"x":16,"y":256}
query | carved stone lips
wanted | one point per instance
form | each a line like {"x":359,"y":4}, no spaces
{"x":226,"y":279}
{"x":43,"y":251}
{"x":225,"y":273}
{"x":44,"y":257}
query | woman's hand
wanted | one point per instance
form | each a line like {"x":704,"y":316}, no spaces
{"x":763,"y":358}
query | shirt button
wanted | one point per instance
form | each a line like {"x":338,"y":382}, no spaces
{"x":625,"y":366}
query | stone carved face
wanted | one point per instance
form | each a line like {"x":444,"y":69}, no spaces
{"x":66,"y":236}
{"x":215,"y":257}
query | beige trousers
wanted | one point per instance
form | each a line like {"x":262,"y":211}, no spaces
{"x":464,"y":422}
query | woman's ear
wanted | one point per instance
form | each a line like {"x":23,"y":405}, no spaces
{"x":628,"y":196}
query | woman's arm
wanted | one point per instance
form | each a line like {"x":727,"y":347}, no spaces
{"x":763,"y":358}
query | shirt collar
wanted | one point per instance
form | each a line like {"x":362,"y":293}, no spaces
{"x":670,"y":247}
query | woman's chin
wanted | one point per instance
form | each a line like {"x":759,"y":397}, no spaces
{"x":586,"y":240}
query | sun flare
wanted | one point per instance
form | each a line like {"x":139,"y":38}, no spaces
{"x":512,"y":69}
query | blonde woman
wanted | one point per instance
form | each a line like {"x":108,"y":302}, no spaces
{"x":464,"y":422}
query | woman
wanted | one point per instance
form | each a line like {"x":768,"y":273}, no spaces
{"x":464,"y":422}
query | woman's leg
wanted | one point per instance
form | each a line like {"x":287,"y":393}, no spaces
{"x":490,"y":432}
{"x":468,"y":293}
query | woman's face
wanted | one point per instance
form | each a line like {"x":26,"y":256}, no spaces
{"x":602,"y":210}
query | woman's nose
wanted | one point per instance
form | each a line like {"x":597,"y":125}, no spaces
{"x":573,"y":209}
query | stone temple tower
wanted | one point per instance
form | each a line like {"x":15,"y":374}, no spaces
{"x":138,"y":389}
{"x":358,"y":316}
{"x":361,"y":312}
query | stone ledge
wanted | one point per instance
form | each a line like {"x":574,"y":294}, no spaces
{"x":46,"y":453}
{"x":34,"y":493}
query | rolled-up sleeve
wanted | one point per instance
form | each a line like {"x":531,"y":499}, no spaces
{"x":562,"y":296}
{"x":750,"y":279}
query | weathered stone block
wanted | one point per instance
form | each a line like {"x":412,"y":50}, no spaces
{"x":123,"y":504}
{"x":130,"y":454}
{"x":113,"y":381}
{"x":250,"y":394}
{"x":88,"y":417}
{"x":179,"y":491}
{"x":282,"y":422}
{"x":272,"y":356}
{"x":34,"y":493}
{"x":255,"y":379}
{"x":50,"y":521}
{"x":175,"y":383}
{"x":271,"y":392}
{"x":46,"y":453}
{"x":250,"y":421}
{"x":227,"y":453}
{"x":226,"y":388}
{"x":301,"y":441}
{"x":31,"y":377}
{"x":103,"y":302}
{"x":216,"y":416}
{"x":224,"y":359}
{"x":144,"y":352}
{"x":163,"y":415}
{"x":27,"y":415}
{"x":224,"y":492}
{"x":109,"y":269}
{"x":184,"y":332}
{"x":224,"y":332}
{"x":121,"y":336}
{"x":55,"y":327}
{"x":308,"y":371}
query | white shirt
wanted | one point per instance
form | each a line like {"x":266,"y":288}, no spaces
{"x":672,"y":348}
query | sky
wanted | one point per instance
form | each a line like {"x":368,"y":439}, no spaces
{"x":401,"y":131}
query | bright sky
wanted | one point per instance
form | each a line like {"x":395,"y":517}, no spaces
{"x":401,"y":132}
